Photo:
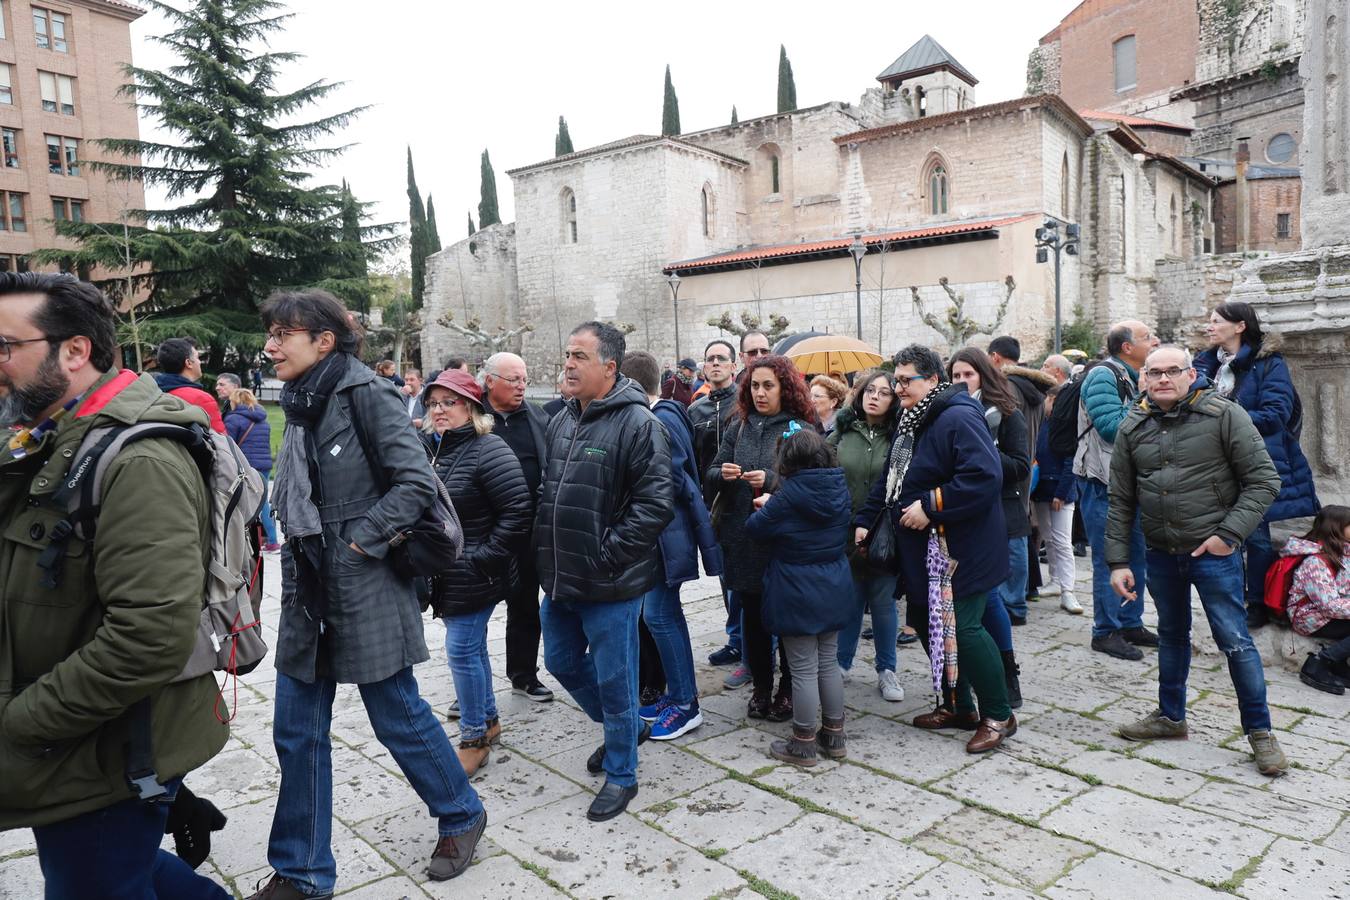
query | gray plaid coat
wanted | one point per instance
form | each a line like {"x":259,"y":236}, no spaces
{"x":373,"y":627}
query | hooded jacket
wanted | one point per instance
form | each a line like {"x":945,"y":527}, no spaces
{"x":863,"y":451}
{"x":1197,"y":470}
{"x":248,"y":427}
{"x":121,"y":623}
{"x":192,"y":392}
{"x":690,"y":532}
{"x":606,"y":497}
{"x":808,"y":588}
{"x":1318,"y":594}
{"x":1265,"y":390}
{"x":1032,"y":385}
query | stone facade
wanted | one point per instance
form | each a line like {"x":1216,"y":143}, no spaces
{"x":1186,"y":291}
{"x":1268,"y":198}
{"x":473,"y":279}
{"x":1237,"y":37}
{"x":1325,"y":69}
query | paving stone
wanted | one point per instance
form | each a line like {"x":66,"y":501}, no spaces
{"x":1298,"y":696}
{"x":367,"y":789}
{"x":1136,"y":774}
{"x":726,"y":815}
{"x":1074,"y":696}
{"x":1312,"y":787}
{"x":664,"y":770}
{"x":1309,"y":752}
{"x":1198,"y":845}
{"x":547,"y":729}
{"x":1265,"y":809}
{"x":1034,"y":745}
{"x":1299,"y":869}
{"x":619,"y":858}
{"x":396,"y":888}
{"x":499,"y":877}
{"x":1127,"y":880}
{"x":20,"y":878}
{"x":1080,"y":729}
{"x":16,"y":841}
{"x":1327,"y":729}
{"x":1012,"y":785}
{"x":1340,"y":838}
{"x":951,"y":880}
{"x":1002,"y":848}
{"x":820,"y":856}
{"x":1193,"y":755}
{"x":745,"y":750}
{"x":909,"y":753}
{"x":898,"y":809}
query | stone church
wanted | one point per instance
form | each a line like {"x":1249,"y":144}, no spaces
{"x":759,"y":216}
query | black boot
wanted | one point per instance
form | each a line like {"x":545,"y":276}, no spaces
{"x":191,"y":821}
{"x":1317,"y":673}
{"x":1010,"y":672}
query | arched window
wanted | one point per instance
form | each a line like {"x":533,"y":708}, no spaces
{"x":1123,"y":57}
{"x":569,"y":216}
{"x":773,"y":170}
{"x":769,"y":162}
{"x":935,"y":187}
{"x":921,"y":101}
{"x":707,"y":210}
{"x":1064,"y":187}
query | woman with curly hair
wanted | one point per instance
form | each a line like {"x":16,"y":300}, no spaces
{"x":827,"y":396}
{"x":773,"y":402}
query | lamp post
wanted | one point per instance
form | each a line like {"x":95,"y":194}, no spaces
{"x":673,"y":279}
{"x":1048,"y":238}
{"x":858,"y":250}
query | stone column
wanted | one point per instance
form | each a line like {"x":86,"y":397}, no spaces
{"x":1325,"y":67}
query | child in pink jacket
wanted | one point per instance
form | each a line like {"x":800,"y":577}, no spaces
{"x":1319,"y":597}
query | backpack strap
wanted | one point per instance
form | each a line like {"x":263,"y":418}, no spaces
{"x":140,"y":761}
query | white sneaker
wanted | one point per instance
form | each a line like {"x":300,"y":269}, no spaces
{"x":1047,"y":590}
{"x":890,"y":688}
{"x":1070,"y":605}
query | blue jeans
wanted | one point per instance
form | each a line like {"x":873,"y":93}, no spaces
{"x":1260,"y":557}
{"x":995,"y":621}
{"x":592,"y":649}
{"x":113,"y":854}
{"x":733,"y":605}
{"x":665,"y":620}
{"x":875,"y":592}
{"x":1218,"y":581}
{"x":300,"y":848}
{"x":1013,"y":590}
{"x":1108,"y":613}
{"x":268,"y":523}
{"x":471,"y":670}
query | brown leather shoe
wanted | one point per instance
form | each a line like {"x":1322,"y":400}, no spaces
{"x":942,"y":717}
{"x":991,"y":733}
{"x":453,"y":854}
{"x":473,"y":755}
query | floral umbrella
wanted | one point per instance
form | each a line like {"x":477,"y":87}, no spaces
{"x":941,"y":613}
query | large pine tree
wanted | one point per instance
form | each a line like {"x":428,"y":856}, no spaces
{"x":243,"y":218}
{"x":417,"y":236}
{"x":562,"y":144}
{"x":670,"y":110}
{"x":787,"y":87}
{"x":487,"y":206}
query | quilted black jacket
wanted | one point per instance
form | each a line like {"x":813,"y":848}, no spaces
{"x":606,"y":497}
{"x":488,"y":489}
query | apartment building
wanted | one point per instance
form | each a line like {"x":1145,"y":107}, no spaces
{"x":60,"y":74}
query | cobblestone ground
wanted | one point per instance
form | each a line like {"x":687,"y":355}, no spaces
{"x":1064,"y":810}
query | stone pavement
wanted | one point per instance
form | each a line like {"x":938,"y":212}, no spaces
{"x":1065,"y":810}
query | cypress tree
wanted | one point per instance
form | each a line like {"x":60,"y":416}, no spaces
{"x":487,"y":206}
{"x":787,"y":88}
{"x":357,"y":265}
{"x":670,"y":111}
{"x":472,"y":228}
{"x":734,"y":118}
{"x":562,"y":144}
{"x":433,"y":241}
{"x":417,"y":236}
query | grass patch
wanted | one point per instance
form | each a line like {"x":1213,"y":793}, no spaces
{"x":1233,"y":882}
{"x":1095,"y":748}
{"x":764,"y":888}
{"x":1159,"y":763}
{"x":784,"y":794}
{"x":542,"y":873}
{"x":714,"y":852}
{"x":660,"y":809}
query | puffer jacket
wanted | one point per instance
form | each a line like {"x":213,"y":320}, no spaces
{"x":488,"y":489}
{"x":1101,"y":409}
{"x":247,"y":426}
{"x":808,"y":588}
{"x":753,"y":445}
{"x":1318,"y":593}
{"x":1265,"y":390}
{"x":1197,"y":470}
{"x":1056,"y":480}
{"x":118,"y":627}
{"x":1010,"y":437}
{"x":606,"y":496}
{"x":863,"y":451}
{"x":689,"y":534}
{"x":711,"y":415}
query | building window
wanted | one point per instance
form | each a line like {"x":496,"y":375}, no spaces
{"x":707,"y":211}
{"x":6,"y":91}
{"x":50,"y":29}
{"x":63,"y":155}
{"x":2,"y":25}
{"x":773,"y":174}
{"x":921,"y":101}
{"x":936,"y":186}
{"x":58,"y":93}
{"x":1282,"y":225}
{"x":1064,"y":187}
{"x":11,"y":139}
{"x":67,"y":209}
{"x":10,"y":262}
{"x":569,"y":216}
{"x":1123,"y":51}
{"x":1281,"y":148}
{"x":11,"y":205}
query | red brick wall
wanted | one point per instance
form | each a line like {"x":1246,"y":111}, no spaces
{"x":1269,"y":197}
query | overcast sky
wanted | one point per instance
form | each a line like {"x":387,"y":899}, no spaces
{"x":451,"y":79}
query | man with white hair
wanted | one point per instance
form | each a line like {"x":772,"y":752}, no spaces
{"x":1058,"y":367}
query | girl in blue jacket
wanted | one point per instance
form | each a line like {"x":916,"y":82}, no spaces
{"x":808,"y":587}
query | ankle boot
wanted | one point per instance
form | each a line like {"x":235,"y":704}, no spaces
{"x":473,"y":755}
{"x":830,"y":739}
{"x":758,"y":708}
{"x":781,"y":710}
{"x":1317,"y":673}
{"x":800,"y":749}
{"x":1010,"y":672}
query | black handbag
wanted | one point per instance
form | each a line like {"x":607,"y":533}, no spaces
{"x":880,"y":551}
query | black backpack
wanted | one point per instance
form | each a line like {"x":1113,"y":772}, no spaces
{"x":1064,"y":434}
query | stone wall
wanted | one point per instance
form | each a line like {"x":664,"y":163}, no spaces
{"x":1257,"y":106}
{"x":475,"y":277}
{"x":1268,"y":198}
{"x":1239,"y":36}
{"x":1325,"y":67}
{"x":1043,"y":67}
{"x":1185,"y":291}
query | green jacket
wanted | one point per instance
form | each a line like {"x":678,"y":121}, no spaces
{"x":1197,"y":470}
{"x":118,"y":628}
{"x":863,"y":452}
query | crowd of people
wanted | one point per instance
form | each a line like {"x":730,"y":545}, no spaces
{"x":929,"y":486}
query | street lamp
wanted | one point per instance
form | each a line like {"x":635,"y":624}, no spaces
{"x":673,"y":279}
{"x":858,"y":250}
{"x":1048,"y":238}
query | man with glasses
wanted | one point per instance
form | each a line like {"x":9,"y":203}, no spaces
{"x":754,"y":344}
{"x":1197,"y":470}
{"x":522,"y":426}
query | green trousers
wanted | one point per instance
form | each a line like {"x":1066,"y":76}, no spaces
{"x":979,"y":664}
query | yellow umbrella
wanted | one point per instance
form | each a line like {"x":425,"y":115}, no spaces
{"x":832,"y":353}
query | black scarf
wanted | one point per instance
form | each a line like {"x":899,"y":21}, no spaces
{"x":304,"y":399}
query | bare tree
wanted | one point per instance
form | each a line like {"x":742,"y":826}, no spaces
{"x":777,"y":327}
{"x":494,"y":342}
{"x":956,"y":327}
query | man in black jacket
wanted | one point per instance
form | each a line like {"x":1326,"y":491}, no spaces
{"x":521,"y":425}
{"x":605,"y":499}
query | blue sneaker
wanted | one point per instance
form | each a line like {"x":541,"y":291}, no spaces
{"x":675,"y":722}
{"x":653,"y":711}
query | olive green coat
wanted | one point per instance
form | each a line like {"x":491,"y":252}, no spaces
{"x":863,"y":452}
{"x":1198,"y":470}
{"x":118,"y":628}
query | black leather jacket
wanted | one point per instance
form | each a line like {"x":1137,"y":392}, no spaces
{"x":710,"y":416}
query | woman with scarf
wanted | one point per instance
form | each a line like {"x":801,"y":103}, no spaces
{"x":944,"y":478}
{"x":1245,"y":365}
{"x":351,"y":476}
{"x":772,"y":397}
{"x":487,"y":487}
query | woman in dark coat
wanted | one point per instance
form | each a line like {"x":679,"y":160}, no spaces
{"x":1245,"y":365}
{"x":487,"y":487}
{"x":246,"y":424}
{"x":351,"y":477}
{"x":772,"y":395}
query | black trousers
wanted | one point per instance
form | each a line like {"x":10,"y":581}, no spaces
{"x":651,"y":674}
{"x":522,"y":628}
{"x":757,"y":647}
{"x":1338,"y":630}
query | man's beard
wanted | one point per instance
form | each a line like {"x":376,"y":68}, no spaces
{"x":20,"y":405}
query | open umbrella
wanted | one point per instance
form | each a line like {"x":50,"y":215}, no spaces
{"x":832,"y":353}
{"x":787,"y":343}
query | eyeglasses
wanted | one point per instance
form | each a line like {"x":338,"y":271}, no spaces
{"x":883,"y":393}
{"x":763,"y":351}
{"x":1171,"y":374}
{"x":6,"y":344}
{"x":716,"y":358}
{"x":904,"y":381}
{"x":515,"y":381}
{"x":277,"y":335}
{"x":443,"y":404}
